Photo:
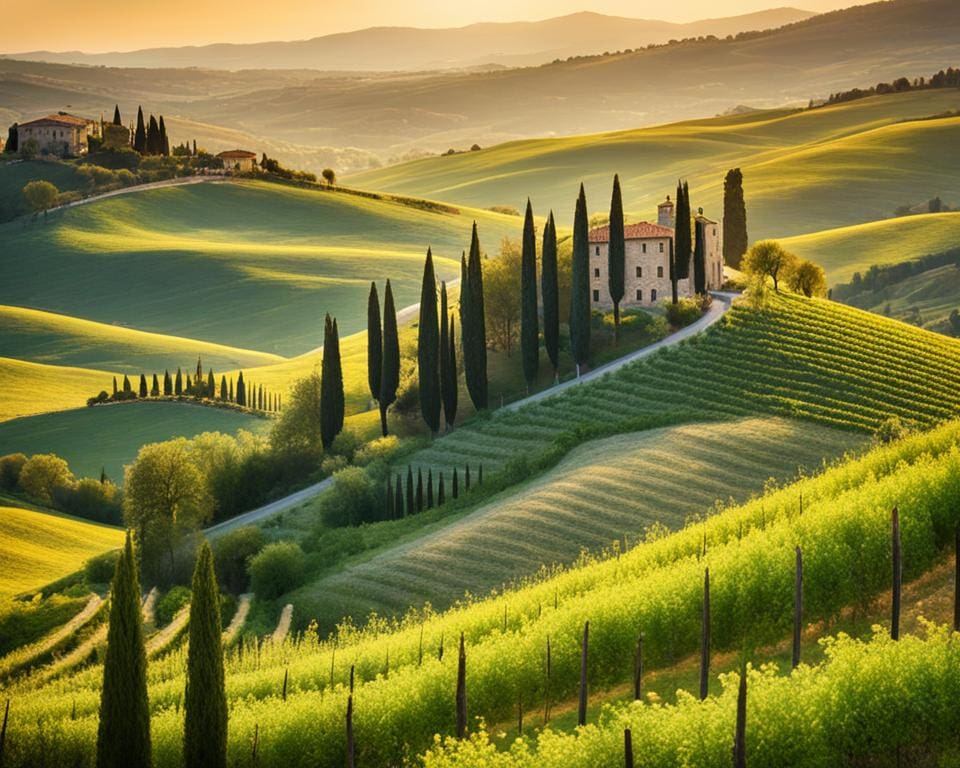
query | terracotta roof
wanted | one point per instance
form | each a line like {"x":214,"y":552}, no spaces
{"x":236,"y":154}
{"x":59,"y":119}
{"x":642,"y":231}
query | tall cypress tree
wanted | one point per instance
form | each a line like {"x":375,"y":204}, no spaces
{"x":127,"y":389}
{"x":616,"y":256}
{"x":114,"y":386}
{"x":428,"y":348}
{"x":116,"y":115}
{"x":452,"y":387}
{"x":682,"y":243}
{"x":178,"y":384}
{"x":13,"y":142}
{"x":211,"y":390}
{"x":549,"y":288}
{"x":123,"y":734}
{"x":164,"y":141}
{"x":445,"y":380}
{"x":398,"y":498}
{"x":241,"y":390}
{"x":153,"y":136}
{"x":374,"y":343}
{"x":699,"y":260}
{"x":140,"y":135}
{"x":441,"y":492}
{"x":473,"y":327}
{"x":529,"y":317}
{"x":429,"y":489}
{"x":580,"y":286}
{"x":167,"y":384}
{"x":230,"y":390}
{"x":390,"y":375}
{"x":155,"y":387}
{"x":143,"y":386}
{"x":672,"y":258}
{"x":331,"y":385}
{"x":205,"y":699}
{"x":411,"y":505}
{"x":419,"y":498}
{"x":223,"y":387}
{"x":734,"y":219}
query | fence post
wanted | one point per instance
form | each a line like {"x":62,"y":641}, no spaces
{"x":897,"y":576}
{"x":462,"y":691}
{"x":627,"y":748}
{"x":582,"y":713}
{"x":546,"y":690}
{"x":740,"y":738}
{"x":638,"y":668}
{"x":797,"y":607}
{"x":350,"y":747}
{"x":705,"y":638}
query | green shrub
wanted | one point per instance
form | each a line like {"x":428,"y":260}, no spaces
{"x":354,"y":498}
{"x":170,"y":604}
{"x":231,"y":557}
{"x":99,"y":569}
{"x":684,"y":312}
{"x":346,"y":444}
{"x":90,"y":499}
{"x":10,"y":468}
{"x":380,"y":449}
{"x":276,"y":569}
{"x":42,"y":474}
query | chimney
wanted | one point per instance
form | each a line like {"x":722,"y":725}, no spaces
{"x":665,"y":213}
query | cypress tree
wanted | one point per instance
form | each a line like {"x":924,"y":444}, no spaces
{"x":140,"y":135}
{"x":682,"y":245}
{"x":164,"y":141}
{"x":178,"y":384}
{"x":223,"y":388}
{"x":205,"y":699}
{"x":549,"y":287}
{"x":198,"y":376}
{"x":331,"y":385}
{"x":374,"y":343}
{"x":428,"y":348}
{"x":453,"y":387}
{"x":13,"y":143}
{"x":419,"y":489}
{"x":448,"y":361}
{"x":114,"y":386}
{"x":411,"y":507}
{"x":167,"y":384}
{"x":466,"y":478}
{"x":153,"y":136}
{"x":699,"y":260}
{"x":230,"y":390}
{"x":388,"y":499}
{"x":529,"y":318}
{"x":429,"y":489}
{"x":127,"y":389}
{"x":241,"y":390}
{"x":390,"y":375}
{"x":473,"y":326}
{"x":675,"y":295}
{"x":398,"y":498}
{"x":123,"y":734}
{"x":616,"y":255}
{"x":441,"y":492}
{"x":456,"y":484}
{"x":734,"y":219}
{"x":155,"y":387}
{"x":211,"y":384}
{"x":116,"y":115}
{"x":580,"y":287}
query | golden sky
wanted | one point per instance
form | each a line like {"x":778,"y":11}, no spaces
{"x":121,"y":25}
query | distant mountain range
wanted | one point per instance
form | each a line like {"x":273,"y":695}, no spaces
{"x":408,"y":48}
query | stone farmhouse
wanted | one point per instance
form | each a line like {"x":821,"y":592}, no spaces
{"x":647,"y":263}
{"x":60,"y":134}
{"x":239,"y":160}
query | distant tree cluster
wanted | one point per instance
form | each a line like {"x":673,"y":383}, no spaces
{"x":199,"y":386}
{"x":948,"y":78}
{"x":150,"y":137}
{"x":272,"y":166}
{"x":881,"y":276}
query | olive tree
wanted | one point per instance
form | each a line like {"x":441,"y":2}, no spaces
{"x":41,"y":195}
{"x":768,"y":258}
{"x":808,"y":278}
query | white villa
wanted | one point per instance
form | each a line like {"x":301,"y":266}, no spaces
{"x":647,"y":263}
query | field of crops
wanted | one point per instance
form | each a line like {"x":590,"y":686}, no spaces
{"x":37,"y":548}
{"x":605,"y":490}
{"x":119,"y":432}
{"x":30,"y":388}
{"x":655,"y":586}
{"x":804,"y":171}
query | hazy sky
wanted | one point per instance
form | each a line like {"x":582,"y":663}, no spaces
{"x":119,"y":25}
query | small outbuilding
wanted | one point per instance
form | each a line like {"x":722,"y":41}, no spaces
{"x":239,"y":160}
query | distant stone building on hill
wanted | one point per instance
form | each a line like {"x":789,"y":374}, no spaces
{"x":238,"y":160}
{"x":647,"y":263}
{"x":60,"y":134}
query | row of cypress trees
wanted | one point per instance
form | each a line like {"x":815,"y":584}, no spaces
{"x":383,"y":351}
{"x":123,"y":735}
{"x":256,"y":397}
{"x":418,"y":497}
{"x":149,"y":138}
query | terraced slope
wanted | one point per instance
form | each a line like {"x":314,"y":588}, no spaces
{"x":39,"y":547}
{"x":251,"y":265}
{"x":606,"y":490}
{"x":804,"y":171}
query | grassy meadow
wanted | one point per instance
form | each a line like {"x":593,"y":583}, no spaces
{"x":15,"y":175}
{"x":109,"y":437}
{"x":804,"y":170}
{"x":31,"y":388}
{"x":37,"y":548}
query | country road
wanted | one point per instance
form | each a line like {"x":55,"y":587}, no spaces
{"x":721,"y":303}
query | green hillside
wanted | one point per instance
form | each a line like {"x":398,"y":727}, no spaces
{"x":804,"y":170}
{"x":109,"y":436}
{"x":14,"y":176}
{"x":252,"y":265}
{"x":633,"y":482}
{"x":30,"y":388}
{"x":37,"y":548}
{"x":52,"y":339}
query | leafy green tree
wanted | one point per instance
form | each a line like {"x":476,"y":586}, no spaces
{"x":682,"y":243}
{"x":699,"y":260}
{"x":428,"y":348}
{"x":140,"y":135}
{"x":580,"y":286}
{"x":448,"y":360}
{"x":529,"y":317}
{"x":735,"y":241}
{"x":808,"y":278}
{"x":429,"y":501}
{"x":329,"y":176}
{"x":41,"y":196}
{"x":143,"y":387}
{"x":374,"y":343}
{"x":155,"y":387}
{"x":116,"y":115}
{"x":390,"y":375}
{"x":768,"y":258}
{"x":205,"y":698}
{"x":331,"y":385}
{"x":473,"y":326}
{"x":123,"y":732}
{"x":502,"y":288}
{"x":276,"y":569}
{"x":42,"y":474}
{"x":616,"y":255}
{"x":231,"y":553}
{"x":298,"y":430}
{"x":549,"y":288}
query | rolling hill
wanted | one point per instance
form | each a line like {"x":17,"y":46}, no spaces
{"x":804,"y":170}
{"x":409,"y":48}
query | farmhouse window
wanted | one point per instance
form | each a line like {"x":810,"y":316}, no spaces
{"x":639,"y":295}
{"x":659,"y":271}
{"x":639,"y":271}
{"x":596,"y":296}
{"x":643,"y":247}
{"x":596,"y":272}
{"x":653,"y":295}
{"x":661,"y":247}
{"x":598,"y":250}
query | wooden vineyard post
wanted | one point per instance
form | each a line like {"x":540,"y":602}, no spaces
{"x":256,"y":743}
{"x":897,"y":576}
{"x":462,"y":691}
{"x":797,"y":607}
{"x":546,"y":688}
{"x":582,"y":711}
{"x":627,"y":748}
{"x":705,"y":638}
{"x":638,"y":668}
{"x":740,"y":737}
{"x":520,"y":714}
{"x":351,"y":749}
{"x":286,"y":673}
